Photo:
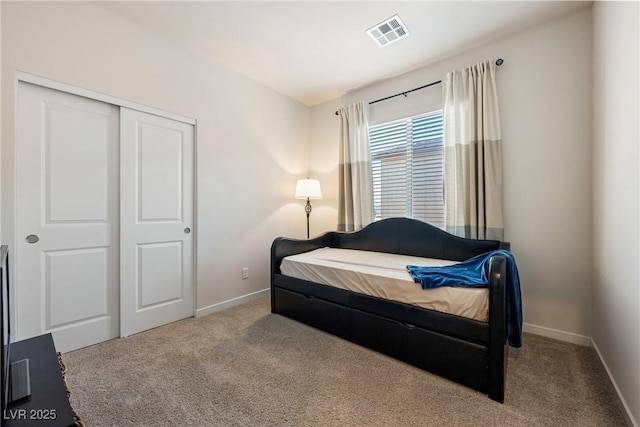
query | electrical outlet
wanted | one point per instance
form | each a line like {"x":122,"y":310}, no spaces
{"x":245,"y":273}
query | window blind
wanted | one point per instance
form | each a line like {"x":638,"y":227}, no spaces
{"x":407,"y":157}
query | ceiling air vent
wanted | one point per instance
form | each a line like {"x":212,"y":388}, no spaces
{"x":388,"y":31}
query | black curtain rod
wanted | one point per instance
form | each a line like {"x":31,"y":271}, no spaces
{"x":499,"y":62}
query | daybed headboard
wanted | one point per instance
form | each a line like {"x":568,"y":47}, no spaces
{"x":402,"y":236}
{"x":407,"y":236}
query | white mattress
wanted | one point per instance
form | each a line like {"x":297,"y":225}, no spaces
{"x":385,"y":275}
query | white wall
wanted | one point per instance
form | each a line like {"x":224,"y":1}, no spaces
{"x":251,"y":141}
{"x":545,"y":102}
{"x":616,"y":177}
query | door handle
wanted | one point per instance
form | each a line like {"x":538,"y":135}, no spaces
{"x":32,"y":238}
{"x":187,"y":230}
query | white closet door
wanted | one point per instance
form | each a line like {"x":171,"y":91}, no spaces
{"x":66,"y":217}
{"x":156,"y":217}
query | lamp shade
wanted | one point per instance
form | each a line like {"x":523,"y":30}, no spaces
{"x":308,"y":188}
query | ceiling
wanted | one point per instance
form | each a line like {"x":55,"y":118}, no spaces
{"x":317,"y":51}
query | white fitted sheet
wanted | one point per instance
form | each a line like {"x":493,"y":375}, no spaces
{"x":385,"y":275}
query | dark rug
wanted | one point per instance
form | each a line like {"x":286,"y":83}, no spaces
{"x":63,"y":368}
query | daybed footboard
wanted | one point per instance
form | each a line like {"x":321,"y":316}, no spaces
{"x":467,"y":351}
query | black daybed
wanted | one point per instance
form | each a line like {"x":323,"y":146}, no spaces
{"x":467,"y":351}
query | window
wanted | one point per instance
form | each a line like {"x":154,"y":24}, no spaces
{"x":407,"y":158}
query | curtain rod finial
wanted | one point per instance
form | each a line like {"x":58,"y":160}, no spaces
{"x":499,"y":62}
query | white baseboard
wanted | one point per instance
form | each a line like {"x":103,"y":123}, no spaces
{"x":626,"y":410}
{"x":557,"y":334}
{"x":231,"y":303}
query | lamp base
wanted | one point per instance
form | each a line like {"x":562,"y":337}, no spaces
{"x":307,"y":209}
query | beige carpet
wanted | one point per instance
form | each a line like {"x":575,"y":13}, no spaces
{"x":247,"y":367}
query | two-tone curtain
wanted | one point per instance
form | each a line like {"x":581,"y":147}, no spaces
{"x":355,"y":204}
{"x":473,"y":153}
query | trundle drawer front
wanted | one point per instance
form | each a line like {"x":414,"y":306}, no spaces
{"x":460,"y":361}
{"x":379,"y":334}
{"x":452,"y":358}
{"x":324,"y":315}
{"x":291,"y":304}
{"x":449,"y":357}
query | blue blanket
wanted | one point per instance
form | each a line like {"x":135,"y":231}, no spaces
{"x":474,"y":273}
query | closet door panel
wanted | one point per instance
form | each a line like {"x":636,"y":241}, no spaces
{"x":67,"y":217}
{"x":156,"y":214}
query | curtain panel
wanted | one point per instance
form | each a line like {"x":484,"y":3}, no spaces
{"x":355,"y":204}
{"x":473,"y":153}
